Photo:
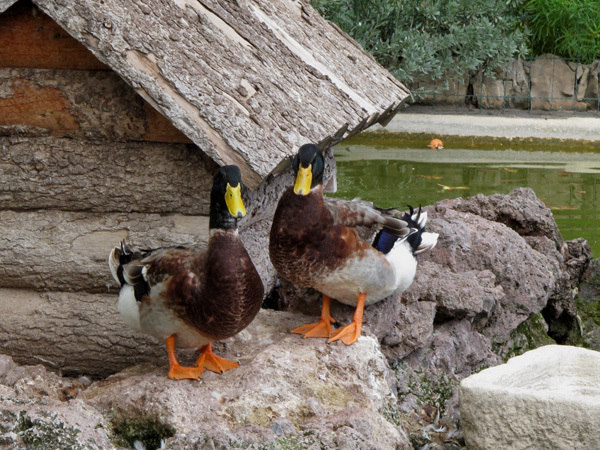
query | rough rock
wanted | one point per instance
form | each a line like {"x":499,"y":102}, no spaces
{"x":588,"y":306}
{"x":520,"y":210}
{"x":488,"y":91}
{"x":469,"y":242}
{"x":591,"y":92}
{"x":516,"y":84}
{"x":545,"y":398}
{"x":553,"y":84}
{"x":286,"y":390}
{"x":499,"y":274}
{"x":453,"y":92}
{"x":38,"y":409}
{"x":561,"y":312}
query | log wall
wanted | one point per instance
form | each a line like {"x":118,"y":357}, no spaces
{"x":84,"y":104}
{"x":82,"y":332}
{"x":85,"y":162}
{"x":99,"y":176}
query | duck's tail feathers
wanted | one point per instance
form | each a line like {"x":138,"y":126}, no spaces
{"x":395,"y":229}
{"x":428,"y":241}
{"x":420,"y":241}
{"x":118,"y":257}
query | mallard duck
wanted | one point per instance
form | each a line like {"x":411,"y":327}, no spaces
{"x":191,"y":296}
{"x":314,"y":243}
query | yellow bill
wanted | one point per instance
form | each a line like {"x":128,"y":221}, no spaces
{"x":233,"y":200}
{"x":303,"y":180}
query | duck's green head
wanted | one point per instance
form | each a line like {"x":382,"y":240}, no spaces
{"x":226,"y":204}
{"x":308,"y":165}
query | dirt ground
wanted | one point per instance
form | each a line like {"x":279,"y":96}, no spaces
{"x":493,"y":123}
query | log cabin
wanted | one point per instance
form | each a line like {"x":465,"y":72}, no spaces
{"x":115,"y":115}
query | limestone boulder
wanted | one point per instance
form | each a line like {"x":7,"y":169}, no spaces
{"x":545,"y":398}
{"x":488,"y":90}
{"x":287,"y":390}
{"x":553,"y":85}
{"x":516,"y":84}
{"x":591,"y":91}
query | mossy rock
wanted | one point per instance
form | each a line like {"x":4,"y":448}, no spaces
{"x":531,"y":334}
{"x":588,"y":306}
{"x":148,"y":430}
{"x":589,"y":314}
{"x":46,"y":432}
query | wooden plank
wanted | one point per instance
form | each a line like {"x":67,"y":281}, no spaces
{"x":68,"y":251}
{"x":160,"y":129}
{"x":97,"y":176}
{"x":76,"y":333}
{"x":248,"y":81}
{"x":83,"y":334}
{"x":81,"y":104}
{"x":29,"y":38}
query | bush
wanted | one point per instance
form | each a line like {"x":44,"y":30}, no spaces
{"x":431,"y":40}
{"x":566,"y":28}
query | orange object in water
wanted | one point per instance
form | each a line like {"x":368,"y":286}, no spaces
{"x":436,"y":144}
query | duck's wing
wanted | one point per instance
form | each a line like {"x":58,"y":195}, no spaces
{"x":143,"y":269}
{"x":353,"y":213}
{"x":357,"y":212}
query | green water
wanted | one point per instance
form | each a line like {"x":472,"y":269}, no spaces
{"x":568,"y":182}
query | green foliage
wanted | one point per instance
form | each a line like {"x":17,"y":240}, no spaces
{"x":566,"y":28}
{"x":430,"y":40}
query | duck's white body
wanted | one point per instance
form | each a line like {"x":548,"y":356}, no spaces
{"x":377,"y":279}
{"x":157,"y":320}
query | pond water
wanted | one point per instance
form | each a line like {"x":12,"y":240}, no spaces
{"x":398,"y":174}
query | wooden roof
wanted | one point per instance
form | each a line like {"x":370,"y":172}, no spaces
{"x":248,"y":81}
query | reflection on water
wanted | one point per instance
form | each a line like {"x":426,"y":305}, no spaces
{"x":567,"y":182}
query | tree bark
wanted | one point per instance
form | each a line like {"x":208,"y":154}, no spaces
{"x":74,"y":175}
{"x":247,"y":81}
{"x":82,"y":104}
{"x":76,"y":333}
{"x":68,"y":251}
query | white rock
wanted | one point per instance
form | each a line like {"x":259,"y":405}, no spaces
{"x":548,"y":398}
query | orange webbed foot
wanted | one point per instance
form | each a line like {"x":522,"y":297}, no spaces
{"x":348,"y":334}
{"x":208,"y":360}
{"x":177,"y":372}
{"x":321,"y":329}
